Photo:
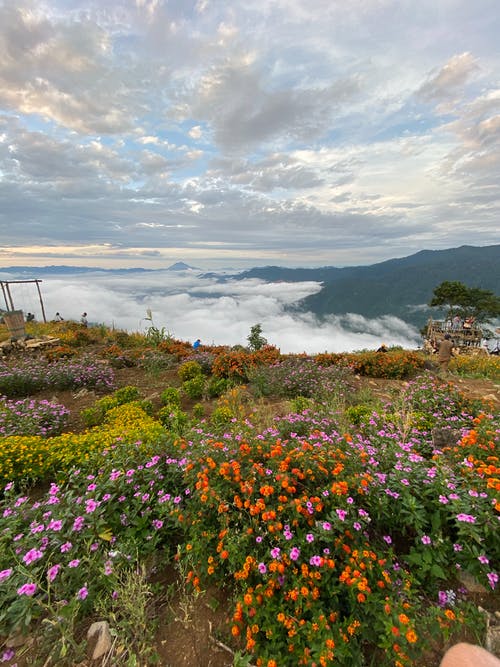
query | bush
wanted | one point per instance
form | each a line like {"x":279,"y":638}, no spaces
{"x":189,"y":370}
{"x":95,"y":414}
{"x":217,"y":386}
{"x":221,"y":417}
{"x":173,"y":419}
{"x":170,"y":396}
{"x":194,"y":387}
{"x":393,"y":364}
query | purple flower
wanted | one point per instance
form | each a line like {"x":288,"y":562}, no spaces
{"x":52,"y":572}
{"x":483,"y":559}
{"x":78,"y":523}
{"x":91,"y":506}
{"x":7,"y":655}
{"x":5,"y":574}
{"x":262,"y":568}
{"x":388,"y":539}
{"x":295,"y":553}
{"x":276,"y":552}
{"x":27,"y":589}
{"x":315,"y":560}
{"x":66,"y":547}
{"x":426,"y":539}
{"x":493,"y":579}
{"x":157,"y":523}
{"x":467,"y":518}
{"x":55,"y":525}
{"x":82,"y":593}
{"x":310,"y":537}
{"x":327,"y":525}
{"x":341,"y":514}
{"x":74,"y":563}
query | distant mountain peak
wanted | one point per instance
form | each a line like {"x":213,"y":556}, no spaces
{"x":182,"y":266}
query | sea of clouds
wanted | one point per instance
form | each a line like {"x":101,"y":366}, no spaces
{"x":189,"y":306}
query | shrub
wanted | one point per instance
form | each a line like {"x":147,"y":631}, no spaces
{"x":189,"y":370}
{"x":477,"y":366}
{"x":393,"y":364}
{"x":233,"y":365}
{"x":170,"y":396}
{"x":217,"y":386}
{"x":198,"y":411}
{"x":173,"y":419}
{"x":95,"y":414}
{"x":221,"y":417}
{"x":194,"y":387}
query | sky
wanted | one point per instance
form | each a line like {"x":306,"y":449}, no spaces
{"x":189,"y":305}
{"x":237,"y":134}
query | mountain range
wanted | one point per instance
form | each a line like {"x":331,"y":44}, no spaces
{"x":401,"y":287}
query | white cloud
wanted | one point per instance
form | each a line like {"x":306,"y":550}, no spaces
{"x":299,"y":132}
{"x":219,"y":313}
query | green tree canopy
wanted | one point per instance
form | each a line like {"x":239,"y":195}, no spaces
{"x":458,"y":299}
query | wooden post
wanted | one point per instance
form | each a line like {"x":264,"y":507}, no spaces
{"x":40,"y":297}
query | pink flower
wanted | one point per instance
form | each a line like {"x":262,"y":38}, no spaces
{"x":32,"y":555}
{"x":5,"y":574}
{"x":27,"y":589}
{"x":66,"y":547}
{"x":74,"y":563}
{"x":52,"y":572}
{"x":78,"y":523}
{"x":82,"y":593}
{"x":426,"y":539}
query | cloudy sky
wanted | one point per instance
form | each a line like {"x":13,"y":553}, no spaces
{"x":235,"y":133}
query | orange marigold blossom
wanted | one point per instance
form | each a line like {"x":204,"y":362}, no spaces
{"x":411,"y":636}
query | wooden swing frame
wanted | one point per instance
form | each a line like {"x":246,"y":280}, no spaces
{"x":7,"y":295}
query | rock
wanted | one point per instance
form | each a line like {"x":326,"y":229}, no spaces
{"x":99,"y":639}
{"x":492,"y":640}
{"x":470,"y":582}
{"x":444,"y":437}
{"x":15,"y":641}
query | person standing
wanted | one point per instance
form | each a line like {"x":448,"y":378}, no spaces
{"x":83,"y":320}
{"x":58,"y":318}
{"x":445,"y":353}
{"x":196,"y":344}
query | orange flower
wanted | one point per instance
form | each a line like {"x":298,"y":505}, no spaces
{"x":411,"y":636}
